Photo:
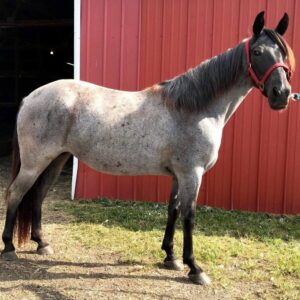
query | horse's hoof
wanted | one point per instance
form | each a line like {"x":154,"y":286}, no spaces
{"x":201,"y":278}
{"x":47,"y":250}
{"x":11,"y":255}
{"x":173,"y":265}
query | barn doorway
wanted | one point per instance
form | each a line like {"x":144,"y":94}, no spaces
{"x":36,"y":47}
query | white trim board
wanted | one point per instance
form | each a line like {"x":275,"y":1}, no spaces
{"x":77,"y":25}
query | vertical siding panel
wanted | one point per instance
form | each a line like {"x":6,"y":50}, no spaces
{"x":175,"y":38}
{"x":289,"y":7}
{"x":292,"y":172}
{"x":151,"y":42}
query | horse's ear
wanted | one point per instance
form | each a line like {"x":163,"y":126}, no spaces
{"x":259,"y":23}
{"x":283,"y":24}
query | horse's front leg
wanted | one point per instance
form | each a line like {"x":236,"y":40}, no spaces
{"x":189,"y":185}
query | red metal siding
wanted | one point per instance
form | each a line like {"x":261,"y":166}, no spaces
{"x":132,"y":44}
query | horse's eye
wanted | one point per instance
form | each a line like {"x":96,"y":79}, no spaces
{"x":256,"y":52}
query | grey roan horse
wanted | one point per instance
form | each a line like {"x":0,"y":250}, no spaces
{"x":172,"y":128}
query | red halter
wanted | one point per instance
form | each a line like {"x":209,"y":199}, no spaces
{"x":260,"y":83}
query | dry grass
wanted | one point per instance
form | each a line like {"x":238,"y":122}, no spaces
{"x":111,"y":250}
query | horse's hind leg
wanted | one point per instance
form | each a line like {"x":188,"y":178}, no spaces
{"x":170,"y":261}
{"x":19,"y":187}
{"x":43,"y":184}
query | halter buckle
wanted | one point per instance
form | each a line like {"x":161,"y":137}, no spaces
{"x":261,"y":87}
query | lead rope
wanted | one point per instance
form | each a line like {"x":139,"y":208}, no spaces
{"x":296,"y":96}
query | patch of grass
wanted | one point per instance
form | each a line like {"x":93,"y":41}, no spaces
{"x":138,"y":216}
{"x":231,"y":246}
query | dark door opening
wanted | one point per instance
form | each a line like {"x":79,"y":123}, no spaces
{"x":36,"y":47}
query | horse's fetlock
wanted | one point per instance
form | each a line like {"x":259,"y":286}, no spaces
{"x":9,"y":247}
{"x":167,"y":245}
{"x":188,"y":260}
{"x":6,"y":239}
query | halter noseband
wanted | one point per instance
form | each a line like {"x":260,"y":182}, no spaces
{"x":260,"y":83}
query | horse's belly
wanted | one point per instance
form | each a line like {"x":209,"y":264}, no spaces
{"x":122,"y":158}
{"x":122,"y":166}
{"x":121,"y":133}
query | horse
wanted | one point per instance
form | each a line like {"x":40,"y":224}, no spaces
{"x":173,"y":128}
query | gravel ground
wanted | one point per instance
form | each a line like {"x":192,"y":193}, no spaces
{"x":74,"y":272}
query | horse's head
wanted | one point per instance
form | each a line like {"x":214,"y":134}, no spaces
{"x":271,"y":61}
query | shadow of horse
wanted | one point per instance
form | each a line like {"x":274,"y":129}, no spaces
{"x":24,"y":269}
{"x":31,"y":270}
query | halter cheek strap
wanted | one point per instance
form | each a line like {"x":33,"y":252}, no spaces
{"x":259,"y":83}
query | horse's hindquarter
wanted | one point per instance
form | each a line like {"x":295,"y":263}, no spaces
{"x":120,"y":132}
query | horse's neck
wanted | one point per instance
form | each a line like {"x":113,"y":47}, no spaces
{"x":232,"y":100}
{"x":231,"y":82}
{"x":225,"y":106}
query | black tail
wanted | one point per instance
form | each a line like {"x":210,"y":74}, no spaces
{"x":23,"y":223}
{"x":16,"y":162}
{"x":24,"y":211}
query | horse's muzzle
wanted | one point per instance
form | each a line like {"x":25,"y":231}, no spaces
{"x":279,"y":98}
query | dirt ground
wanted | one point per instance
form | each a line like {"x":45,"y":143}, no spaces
{"x":74,"y":272}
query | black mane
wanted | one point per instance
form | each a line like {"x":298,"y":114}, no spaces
{"x":195,"y":89}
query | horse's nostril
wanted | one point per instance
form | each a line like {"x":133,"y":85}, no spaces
{"x":276,"y":91}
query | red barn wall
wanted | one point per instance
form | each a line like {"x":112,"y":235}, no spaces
{"x":132,"y":44}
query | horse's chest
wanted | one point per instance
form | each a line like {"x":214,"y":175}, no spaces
{"x":207,"y":147}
